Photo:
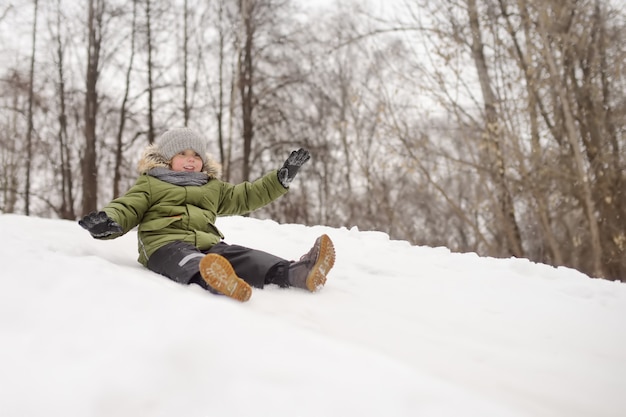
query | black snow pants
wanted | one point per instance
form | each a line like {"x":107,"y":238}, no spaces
{"x":179,"y":262}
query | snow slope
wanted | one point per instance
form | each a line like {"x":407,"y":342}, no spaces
{"x":398,"y":330}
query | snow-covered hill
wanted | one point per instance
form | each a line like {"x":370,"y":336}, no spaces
{"x":399,"y":330}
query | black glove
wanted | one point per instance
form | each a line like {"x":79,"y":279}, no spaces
{"x":291,"y":166}
{"x":99,"y":224}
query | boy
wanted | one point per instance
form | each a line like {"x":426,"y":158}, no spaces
{"x":175,"y":203}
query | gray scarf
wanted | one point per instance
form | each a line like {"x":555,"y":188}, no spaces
{"x":181,"y":178}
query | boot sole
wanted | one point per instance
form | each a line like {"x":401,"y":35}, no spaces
{"x":325,"y":261}
{"x":219,"y":274}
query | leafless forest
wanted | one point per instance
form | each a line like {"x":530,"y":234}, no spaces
{"x":487,"y":126}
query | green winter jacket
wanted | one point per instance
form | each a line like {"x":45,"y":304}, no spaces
{"x":166,"y":212}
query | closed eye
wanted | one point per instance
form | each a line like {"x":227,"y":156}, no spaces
{"x":184,"y":153}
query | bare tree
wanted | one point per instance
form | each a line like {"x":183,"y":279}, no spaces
{"x":186,"y":109}
{"x":571,"y":136}
{"x":150,"y":66}
{"x":259,"y":39}
{"x":533,"y":171}
{"x":246,"y":80}
{"x":89,"y":161}
{"x":29,"y":133}
{"x":66,"y":209}
{"x":224,"y":148}
{"x":492,"y":132}
{"x":117,"y":175}
{"x":13,"y":89}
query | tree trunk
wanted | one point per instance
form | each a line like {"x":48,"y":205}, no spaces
{"x":246,"y":83}
{"x":89,"y":163}
{"x":66,"y":211}
{"x":535,"y":172}
{"x":117,"y":176}
{"x":577,"y":158}
{"x":150,"y":82}
{"x":29,"y":133}
{"x":492,"y":134}
{"x":220,"y":103}
{"x":186,"y":109}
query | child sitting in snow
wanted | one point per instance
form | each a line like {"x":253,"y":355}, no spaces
{"x":175,"y":202}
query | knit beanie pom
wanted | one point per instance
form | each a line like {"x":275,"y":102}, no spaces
{"x":178,"y":140}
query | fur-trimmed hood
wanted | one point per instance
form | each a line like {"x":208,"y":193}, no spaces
{"x":153,"y":158}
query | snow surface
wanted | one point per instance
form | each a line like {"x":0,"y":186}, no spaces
{"x":399,"y":330}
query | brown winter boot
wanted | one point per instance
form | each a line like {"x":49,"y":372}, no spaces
{"x":311,"y":270}
{"x":220,"y":275}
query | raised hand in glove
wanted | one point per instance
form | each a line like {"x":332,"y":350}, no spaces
{"x":99,"y":224}
{"x":291,"y":166}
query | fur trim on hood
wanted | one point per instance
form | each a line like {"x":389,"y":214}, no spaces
{"x":153,"y":158}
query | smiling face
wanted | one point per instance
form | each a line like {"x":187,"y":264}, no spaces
{"x":187,"y":160}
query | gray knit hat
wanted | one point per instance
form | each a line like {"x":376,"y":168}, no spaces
{"x":177,"y":140}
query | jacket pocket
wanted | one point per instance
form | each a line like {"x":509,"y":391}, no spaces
{"x":158,"y":224}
